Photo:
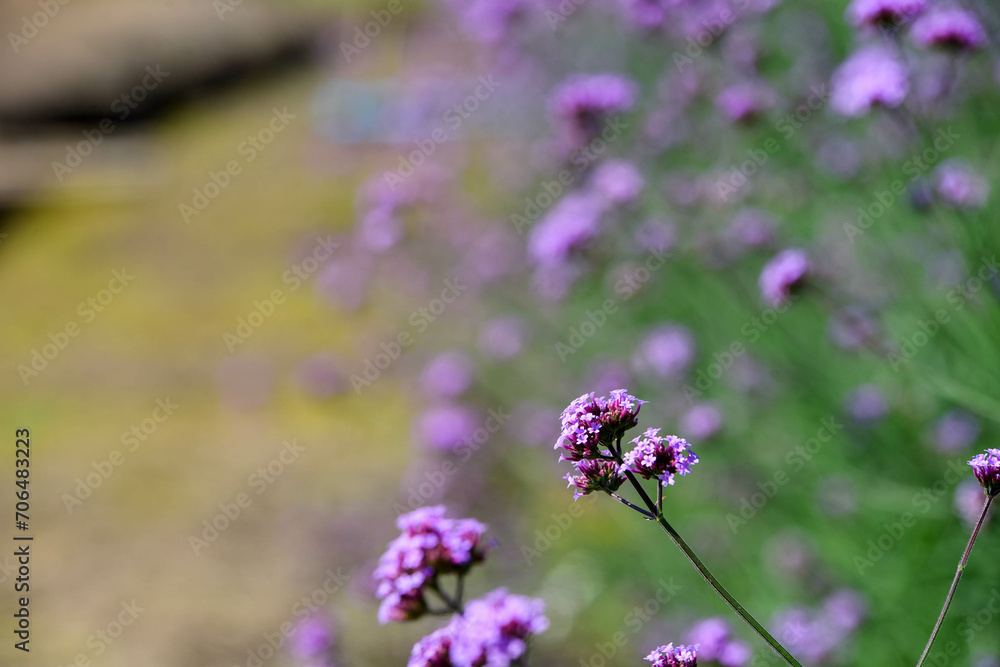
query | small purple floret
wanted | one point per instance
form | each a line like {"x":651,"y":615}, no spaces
{"x":987,"y":469}
{"x":674,"y":656}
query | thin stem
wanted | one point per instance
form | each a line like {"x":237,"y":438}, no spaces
{"x":454,"y":605}
{"x":645,"y":513}
{"x":712,"y":581}
{"x":659,"y":498}
{"x":958,"y":577}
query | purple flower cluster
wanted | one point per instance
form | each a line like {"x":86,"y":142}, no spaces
{"x":674,"y":656}
{"x":715,"y":643}
{"x":987,"y":469}
{"x":783,"y":274}
{"x":872,"y":76}
{"x":659,"y":457}
{"x":430,"y":545}
{"x":590,"y":423}
{"x":883,"y":13}
{"x":312,"y":641}
{"x":582,"y":103}
{"x":493,"y":632}
{"x":949,"y":28}
{"x":813,"y":635}
{"x":594,"y":475}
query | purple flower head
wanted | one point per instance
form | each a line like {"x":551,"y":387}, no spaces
{"x":657,"y":456}
{"x":618,"y":181}
{"x":429,"y":545}
{"x":667,"y":351}
{"x":674,"y":656}
{"x":572,"y":224}
{"x":785,"y":273}
{"x":845,"y":609}
{"x":589,"y":423}
{"x":494,"y":630}
{"x":743,"y":102}
{"x":950,"y":28}
{"x":873,"y":75}
{"x":959,"y":186}
{"x":433,"y":650}
{"x":594,"y":475}
{"x":312,"y":640}
{"x":987,"y":469}
{"x":448,"y":374}
{"x":582,"y":103}
{"x":883,"y":13}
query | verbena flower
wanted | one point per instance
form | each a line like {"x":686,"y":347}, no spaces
{"x":950,"y":28}
{"x":883,"y":13}
{"x":595,"y":475}
{"x":958,"y":186}
{"x":674,"y":656}
{"x":571,"y":225}
{"x":987,"y":469}
{"x":312,"y":640}
{"x":589,"y":423}
{"x":582,"y":103}
{"x":783,"y":274}
{"x":618,"y":181}
{"x":430,"y":545}
{"x":433,"y":650}
{"x":494,"y":630}
{"x":660,"y":457}
{"x":872,"y":76}
{"x":666,"y":351}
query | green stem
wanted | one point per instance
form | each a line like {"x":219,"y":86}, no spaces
{"x":954,"y":583}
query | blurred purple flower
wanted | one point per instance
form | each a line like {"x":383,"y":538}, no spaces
{"x":502,"y":337}
{"x":702,"y":421}
{"x":959,"y":186}
{"x":968,"y":501}
{"x":867,"y":403}
{"x":780,"y":277}
{"x":667,"y":351}
{"x":489,"y":21}
{"x":495,"y":630}
{"x":312,"y":641}
{"x":379,"y":230}
{"x":656,"y":235}
{"x":742,"y":102}
{"x":572,"y":224}
{"x":883,"y":13}
{"x":343,"y":283}
{"x":618,"y":181}
{"x":751,"y":228}
{"x":645,"y":14}
{"x":814,"y":634}
{"x":449,"y":374}
{"x":674,"y":656}
{"x":659,"y":457}
{"x":446,"y":427}
{"x":987,"y":469}
{"x":713,"y":638}
{"x":845,"y":609}
{"x":948,"y":27}
{"x":321,"y":376}
{"x":429,"y":545}
{"x":955,"y":430}
{"x":582,"y":103}
{"x":872,"y":75}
